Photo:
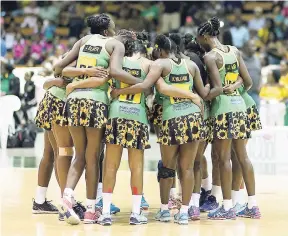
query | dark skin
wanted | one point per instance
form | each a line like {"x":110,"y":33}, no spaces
{"x":214,"y":62}
{"x":161,"y":68}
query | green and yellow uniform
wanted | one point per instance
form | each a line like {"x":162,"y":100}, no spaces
{"x":51,"y":108}
{"x":128,"y":124}
{"x":89,"y":107}
{"x":181,"y":120}
{"x":229,"y":110}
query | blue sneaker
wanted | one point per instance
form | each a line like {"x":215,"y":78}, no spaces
{"x":253,"y":213}
{"x":222,"y":214}
{"x":194,"y":213}
{"x":138,"y":219}
{"x":144,"y":203}
{"x":209,"y":204}
{"x":163,"y":216}
{"x":238,"y":208}
{"x":60,"y":216}
{"x":203,"y":196}
{"x":181,"y":218}
{"x":113,"y":208}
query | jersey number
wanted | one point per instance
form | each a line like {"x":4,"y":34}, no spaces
{"x":186,"y":87}
{"x":85,"y":62}
{"x":132,"y":98}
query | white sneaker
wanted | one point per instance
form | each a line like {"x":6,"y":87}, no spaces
{"x":138,"y":219}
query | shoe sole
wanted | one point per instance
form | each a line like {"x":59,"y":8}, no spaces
{"x":181,"y":223}
{"x":194,"y":218}
{"x":114,"y":212}
{"x":44,"y":212}
{"x":221,"y":218}
{"x":68,"y":217}
{"x":139,"y":223}
{"x":89,"y":221}
{"x":166,"y":219}
{"x":105,"y":224}
{"x":145,"y":208}
{"x":250,"y":217}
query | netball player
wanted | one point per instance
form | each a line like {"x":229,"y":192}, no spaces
{"x":182,"y":125}
{"x":224,"y":64}
{"x":87,"y":109}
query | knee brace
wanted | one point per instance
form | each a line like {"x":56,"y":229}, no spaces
{"x":164,"y":173}
{"x":66,"y":151}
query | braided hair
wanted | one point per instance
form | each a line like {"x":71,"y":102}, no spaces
{"x":211,"y":27}
{"x":164,"y":43}
{"x":98,"y":23}
{"x":191,"y":45}
{"x":176,"y":38}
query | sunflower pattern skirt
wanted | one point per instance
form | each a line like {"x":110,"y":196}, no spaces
{"x":253,"y":119}
{"x":231,"y":125}
{"x":155,"y":115}
{"x":208,"y":130}
{"x":127,"y":133}
{"x":181,"y":130}
{"x":50,"y":110}
{"x":86,"y":112}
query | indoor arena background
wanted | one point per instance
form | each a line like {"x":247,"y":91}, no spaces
{"x":35,"y":34}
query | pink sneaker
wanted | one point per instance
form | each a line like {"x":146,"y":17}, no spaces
{"x":67,"y":210}
{"x":194,"y":213}
{"x":91,"y":217}
{"x":172,"y":204}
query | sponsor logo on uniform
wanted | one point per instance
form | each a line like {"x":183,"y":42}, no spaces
{"x":134,"y":72}
{"x":92,"y":49}
{"x":179,"y":78}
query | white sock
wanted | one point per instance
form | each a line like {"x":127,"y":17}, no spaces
{"x":90,"y":205}
{"x":136,"y":199}
{"x":179,"y":188}
{"x":99,"y":192}
{"x":196,"y":199}
{"x":173,"y":192}
{"x":206,"y":184}
{"x":252,"y":201}
{"x":40,"y":194}
{"x":184,"y":209}
{"x":191,"y":203}
{"x":164,"y":207}
{"x":216,"y":190}
{"x":107,"y":199}
{"x":242,"y":196}
{"x":61,"y":201}
{"x":227,"y":204}
{"x":235,"y":197}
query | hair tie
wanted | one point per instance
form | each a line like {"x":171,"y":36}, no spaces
{"x":209,"y":22}
{"x":156,"y":45}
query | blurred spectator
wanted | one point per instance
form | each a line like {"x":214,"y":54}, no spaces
{"x":19,"y":48}
{"x":275,"y":50}
{"x":171,"y":16}
{"x":265,"y":32}
{"x":49,"y":11}
{"x":259,"y":21}
{"x":151,"y":13}
{"x":10,"y":84}
{"x":279,"y":21}
{"x":37,"y":48}
{"x":240,"y":33}
{"x":92,"y":8}
{"x":31,"y":12}
{"x":136,"y":22}
{"x":10,"y":36}
{"x":29,"y":99}
{"x":3,"y":48}
{"x":189,"y":27}
{"x":254,"y":67}
{"x":49,"y":30}
{"x":284,"y":73}
{"x":76,"y":23}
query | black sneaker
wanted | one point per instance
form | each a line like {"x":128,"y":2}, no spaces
{"x":79,"y":210}
{"x":203,"y":195}
{"x":45,"y":208}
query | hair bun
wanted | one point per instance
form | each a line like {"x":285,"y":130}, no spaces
{"x":89,"y":21}
{"x":215,"y":22}
{"x":176,"y":38}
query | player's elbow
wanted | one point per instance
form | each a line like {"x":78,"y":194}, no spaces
{"x":115,"y":72}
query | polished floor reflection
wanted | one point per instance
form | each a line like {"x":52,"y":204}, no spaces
{"x":18,"y":188}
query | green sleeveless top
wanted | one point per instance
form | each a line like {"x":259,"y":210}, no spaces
{"x":249,"y":102}
{"x":128,"y":106}
{"x":92,"y":54}
{"x":180,"y":77}
{"x":228,"y":73}
{"x":58,"y":92}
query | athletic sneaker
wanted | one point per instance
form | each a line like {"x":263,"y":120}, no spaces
{"x":60,"y":217}
{"x":91,"y":217}
{"x":163,"y":216}
{"x":45,"y":208}
{"x":203,"y":196}
{"x":138,"y":219}
{"x":209,"y":204}
{"x":144,"y":203}
{"x":181,"y":218}
{"x":113,"y":209}
{"x":105,"y":219}
{"x":67,"y":209}
{"x":79,"y":209}
{"x":194,"y":213}
{"x":173,"y":203}
{"x":253,"y":213}
{"x":222,"y":214}
{"x":238,"y":208}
